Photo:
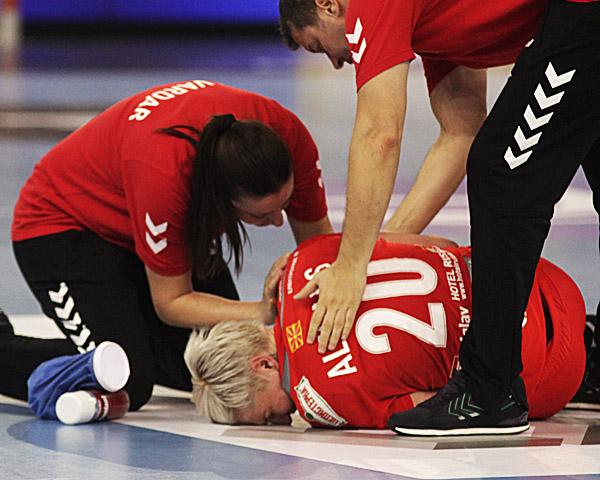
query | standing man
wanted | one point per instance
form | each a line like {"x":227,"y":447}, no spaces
{"x":545,"y":124}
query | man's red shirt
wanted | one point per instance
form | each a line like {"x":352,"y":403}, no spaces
{"x":472,"y":33}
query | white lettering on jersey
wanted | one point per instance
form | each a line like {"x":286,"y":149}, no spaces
{"x":432,"y":332}
{"x":290,"y":278}
{"x":342,"y":367}
{"x":309,"y":273}
{"x":315,"y":407}
{"x":465,"y":321}
{"x":142,"y":111}
{"x":395,"y":288}
{"x":152,"y":232}
{"x":354,"y":39}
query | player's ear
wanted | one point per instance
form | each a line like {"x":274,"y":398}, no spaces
{"x":261,"y":363}
{"x":330,"y":8}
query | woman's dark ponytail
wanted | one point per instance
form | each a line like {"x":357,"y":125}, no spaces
{"x":232,"y":159}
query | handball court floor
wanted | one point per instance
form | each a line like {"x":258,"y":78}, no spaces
{"x":55,"y":84}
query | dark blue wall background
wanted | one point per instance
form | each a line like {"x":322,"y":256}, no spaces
{"x":151,"y":11}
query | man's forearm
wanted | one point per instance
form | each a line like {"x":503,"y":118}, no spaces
{"x":373,"y":164}
{"x":439,"y":177}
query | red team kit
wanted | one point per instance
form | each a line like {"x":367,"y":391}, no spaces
{"x":134,"y":192}
{"x":406,"y":338}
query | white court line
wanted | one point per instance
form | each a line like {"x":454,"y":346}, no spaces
{"x":382,"y":450}
{"x":63,"y":121}
{"x":35,"y":325}
{"x":575,"y":208}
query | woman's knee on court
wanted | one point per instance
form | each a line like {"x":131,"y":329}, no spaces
{"x":139,"y":388}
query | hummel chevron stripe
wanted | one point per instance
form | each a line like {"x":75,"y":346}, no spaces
{"x":353,"y":38}
{"x":545,"y":101}
{"x":156,"y":247}
{"x":536,"y":122}
{"x":58,"y":297}
{"x":514,"y":162}
{"x":524,"y":142}
{"x":557,"y":80}
{"x":155,"y":229}
{"x":65,"y":312}
{"x":466,"y":408}
{"x":357,"y":56}
{"x":80,"y":339}
{"x":74,"y":323}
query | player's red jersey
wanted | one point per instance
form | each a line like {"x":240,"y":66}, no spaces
{"x":120,"y":178}
{"x":415,"y":312}
{"x":476,"y":34}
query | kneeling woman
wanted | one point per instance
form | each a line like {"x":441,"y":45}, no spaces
{"x":119,"y":230}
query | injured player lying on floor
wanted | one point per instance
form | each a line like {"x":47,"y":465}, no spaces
{"x":404,"y":344}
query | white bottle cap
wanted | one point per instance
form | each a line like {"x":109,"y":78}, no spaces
{"x":76,"y":407}
{"x":111,"y":366}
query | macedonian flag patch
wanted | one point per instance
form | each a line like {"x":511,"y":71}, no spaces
{"x":293,"y":333}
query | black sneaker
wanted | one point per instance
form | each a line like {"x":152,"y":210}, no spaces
{"x":453,"y":411}
{"x":588,"y":395}
{"x":589,"y":333}
{"x":5,"y":325}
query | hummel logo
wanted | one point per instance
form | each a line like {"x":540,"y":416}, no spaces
{"x":354,"y":38}
{"x":536,"y":122}
{"x":513,"y":161}
{"x":153,"y":231}
{"x":557,"y":80}
{"x":544,"y":101}
{"x":66,"y":313}
{"x":462,"y":407}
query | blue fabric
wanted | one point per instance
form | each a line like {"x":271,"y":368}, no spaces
{"x":57,"y":376}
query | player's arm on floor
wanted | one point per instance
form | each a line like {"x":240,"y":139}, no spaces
{"x":459,"y":104}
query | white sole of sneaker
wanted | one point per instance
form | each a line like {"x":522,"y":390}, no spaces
{"x":583,"y":406}
{"x":461,"y":431}
{"x":111,"y":366}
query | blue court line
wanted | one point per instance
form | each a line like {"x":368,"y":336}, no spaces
{"x":167,"y":452}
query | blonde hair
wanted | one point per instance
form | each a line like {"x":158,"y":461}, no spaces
{"x":218,"y":359}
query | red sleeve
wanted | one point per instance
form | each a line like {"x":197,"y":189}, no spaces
{"x":157,"y":201}
{"x":308,"y":203}
{"x":379,"y":34}
{"x":436,"y":71}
